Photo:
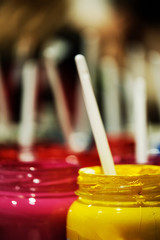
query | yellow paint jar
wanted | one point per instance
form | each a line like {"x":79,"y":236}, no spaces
{"x":121,"y":207}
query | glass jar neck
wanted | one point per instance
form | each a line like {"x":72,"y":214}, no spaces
{"x":133,"y":185}
{"x":42,"y":178}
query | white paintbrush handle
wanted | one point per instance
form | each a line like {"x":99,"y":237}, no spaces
{"x":94,"y":117}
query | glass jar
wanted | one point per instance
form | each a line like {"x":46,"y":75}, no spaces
{"x":35,"y":198}
{"x":125,"y":206}
{"x":49,"y":151}
{"x":122,"y":147}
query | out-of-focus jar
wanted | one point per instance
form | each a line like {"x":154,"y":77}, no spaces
{"x":50,"y":151}
{"x":122,"y":147}
{"x":125,"y":206}
{"x":35,"y":197}
{"x":8,"y":151}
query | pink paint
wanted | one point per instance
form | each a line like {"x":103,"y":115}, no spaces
{"x":34,"y":198}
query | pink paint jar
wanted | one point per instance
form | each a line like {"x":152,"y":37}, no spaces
{"x":35,"y":197}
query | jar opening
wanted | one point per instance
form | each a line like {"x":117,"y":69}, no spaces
{"x":138,"y":184}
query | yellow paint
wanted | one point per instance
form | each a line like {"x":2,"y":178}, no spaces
{"x":122,"y":207}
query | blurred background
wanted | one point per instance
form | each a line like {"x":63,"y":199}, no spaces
{"x":39,"y":85}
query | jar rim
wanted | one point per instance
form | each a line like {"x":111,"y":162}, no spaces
{"x":55,"y":177}
{"x":97,"y":171}
{"x":141,"y":187}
